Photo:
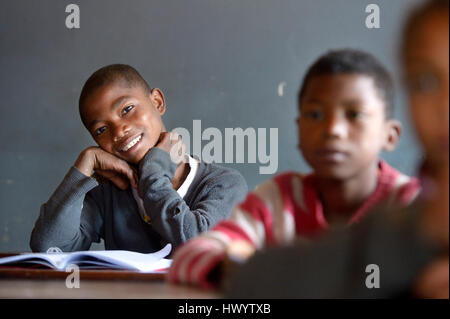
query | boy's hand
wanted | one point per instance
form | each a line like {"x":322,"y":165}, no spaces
{"x":237,"y":253}
{"x":171,"y":143}
{"x":95,"y":160}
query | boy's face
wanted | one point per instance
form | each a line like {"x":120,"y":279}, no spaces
{"x":427,"y":78}
{"x":124,"y":121}
{"x":342,"y":125}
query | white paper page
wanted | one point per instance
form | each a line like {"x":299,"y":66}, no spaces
{"x":106,"y":258}
{"x":51,"y":260}
{"x":126,"y":259}
{"x":157,"y":267}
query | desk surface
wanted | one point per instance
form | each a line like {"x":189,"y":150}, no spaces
{"x":96,"y":284}
{"x":102,"y":289}
{"x":102,"y":284}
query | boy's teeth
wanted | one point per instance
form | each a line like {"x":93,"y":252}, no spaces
{"x":132,"y":143}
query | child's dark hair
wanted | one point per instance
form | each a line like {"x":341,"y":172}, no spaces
{"x":352,"y":61}
{"x":108,"y":75}
{"x":418,"y":14}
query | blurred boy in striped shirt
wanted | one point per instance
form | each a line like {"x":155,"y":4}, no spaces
{"x":346,"y":120}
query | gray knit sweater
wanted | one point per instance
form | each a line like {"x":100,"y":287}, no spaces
{"x":82,"y":211}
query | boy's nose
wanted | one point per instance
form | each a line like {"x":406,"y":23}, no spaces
{"x":120,"y":131}
{"x":335,"y":127}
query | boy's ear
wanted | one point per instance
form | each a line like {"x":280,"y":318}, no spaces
{"x":157,"y":97}
{"x":394,"y":128}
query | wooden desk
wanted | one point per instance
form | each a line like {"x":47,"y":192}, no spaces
{"x":98,"y":289}
{"x":98,"y":284}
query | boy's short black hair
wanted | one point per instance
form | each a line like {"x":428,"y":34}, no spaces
{"x":352,"y":61}
{"x":108,"y":75}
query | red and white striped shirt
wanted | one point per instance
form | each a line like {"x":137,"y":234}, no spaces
{"x":275,"y":213}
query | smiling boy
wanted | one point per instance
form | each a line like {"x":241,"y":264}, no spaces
{"x":144,"y":199}
{"x":346,"y":106}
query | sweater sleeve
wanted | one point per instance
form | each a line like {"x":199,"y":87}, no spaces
{"x":252,"y":223}
{"x":343,"y":264}
{"x":169,"y":214}
{"x":70,"y":219}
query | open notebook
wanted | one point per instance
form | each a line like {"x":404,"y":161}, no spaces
{"x":109,"y":259}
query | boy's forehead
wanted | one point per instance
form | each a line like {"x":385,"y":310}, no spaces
{"x":344,"y":90}
{"x":430,"y":39}
{"x":337,"y":85}
{"x":109,"y":93}
{"x":112,"y":91}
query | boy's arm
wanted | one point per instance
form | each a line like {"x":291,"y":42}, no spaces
{"x":202,"y":261}
{"x":384,"y":248}
{"x":170,"y":216}
{"x":70,"y":219}
{"x":255,"y":223}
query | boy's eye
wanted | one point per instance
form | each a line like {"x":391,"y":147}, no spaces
{"x":352,"y":114}
{"x":314,"y":115}
{"x":99,"y":131}
{"x":127,"y":109}
{"x":424,"y":83}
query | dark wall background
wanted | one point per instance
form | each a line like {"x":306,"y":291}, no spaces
{"x":219,"y":61}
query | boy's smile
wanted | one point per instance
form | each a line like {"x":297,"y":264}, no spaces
{"x":124,"y":121}
{"x":131,"y":144}
{"x":342,"y":125}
